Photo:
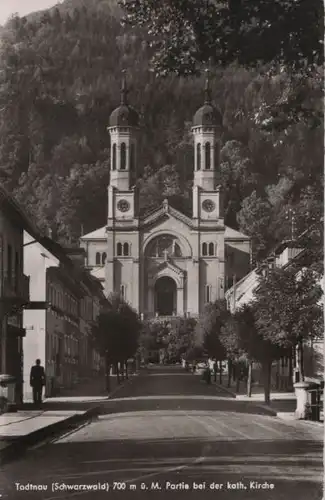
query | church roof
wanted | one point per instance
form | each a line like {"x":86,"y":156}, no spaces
{"x":98,"y":234}
{"x":154,"y":215}
{"x":98,"y":272}
{"x":233,"y":234}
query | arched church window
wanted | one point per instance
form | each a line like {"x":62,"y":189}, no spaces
{"x":132,"y":157}
{"x":198,"y":156}
{"x":104,"y":257}
{"x":114,"y":157}
{"x":164,"y":246}
{"x":207,"y":156}
{"x":98,"y":258}
{"x":123,"y":156}
{"x":119,"y":249}
{"x":207,"y":294}
{"x":211,"y":249}
{"x":126,"y":249}
{"x":204,"y":249}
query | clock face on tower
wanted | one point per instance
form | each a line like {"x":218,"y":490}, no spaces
{"x":208,"y":205}
{"x":123,"y":206}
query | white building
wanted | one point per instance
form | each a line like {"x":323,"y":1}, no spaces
{"x":37,"y":259}
{"x":242,"y":293}
{"x":166,"y":262}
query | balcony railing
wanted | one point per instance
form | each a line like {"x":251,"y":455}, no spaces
{"x":15,"y":288}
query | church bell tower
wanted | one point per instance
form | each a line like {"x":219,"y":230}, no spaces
{"x":123,"y":130}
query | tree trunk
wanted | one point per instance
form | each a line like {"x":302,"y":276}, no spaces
{"x":267,"y":381}
{"x":249,"y":380}
{"x":237,"y":378}
{"x":107,"y":373}
{"x":290,"y":374}
{"x":220,"y":372}
{"x":117,"y":371}
{"x":234,"y":372}
{"x":121,"y":366}
{"x":300,"y":360}
{"x":229,"y":372}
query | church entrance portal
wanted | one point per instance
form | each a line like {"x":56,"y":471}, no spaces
{"x":165,"y":296}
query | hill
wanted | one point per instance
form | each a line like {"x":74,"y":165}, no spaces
{"x":60,"y":79}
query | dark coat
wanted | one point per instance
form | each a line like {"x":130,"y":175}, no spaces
{"x":37,"y":376}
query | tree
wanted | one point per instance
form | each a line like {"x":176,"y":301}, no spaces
{"x":187,"y":33}
{"x":288,"y":310}
{"x":244,"y":342}
{"x":116,"y":334}
{"x":254,"y":220}
{"x":209,"y":329}
{"x":181,"y":338}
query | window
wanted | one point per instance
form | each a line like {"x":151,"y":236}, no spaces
{"x":9,"y":262}
{"x":97,"y":258}
{"x":198,"y":156}
{"x":211,"y":249}
{"x":114,"y":157}
{"x":123,"y":249}
{"x":207,"y":156}
{"x":123,"y":292}
{"x":132,"y":157}
{"x":208,"y":293}
{"x":16,"y":268}
{"x":123,"y":156}
{"x":104,"y":257}
{"x":204,"y":249}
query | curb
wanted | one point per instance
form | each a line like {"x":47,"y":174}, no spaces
{"x":225,"y":389}
{"x":17,"y":447}
{"x":127,"y":381}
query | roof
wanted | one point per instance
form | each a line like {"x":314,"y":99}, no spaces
{"x":98,"y":234}
{"x":207,"y":116}
{"x":124,"y":116}
{"x":233,"y":234}
{"x":17,"y":214}
{"x":156,"y":214}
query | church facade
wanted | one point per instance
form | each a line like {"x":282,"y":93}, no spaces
{"x":166,"y":263}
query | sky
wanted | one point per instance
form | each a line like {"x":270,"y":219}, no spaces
{"x":23,"y":7}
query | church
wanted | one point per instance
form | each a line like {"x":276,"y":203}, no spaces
{"x":165,"y":263}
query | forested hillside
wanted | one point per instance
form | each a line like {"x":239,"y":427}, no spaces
{"x":60,"y":78}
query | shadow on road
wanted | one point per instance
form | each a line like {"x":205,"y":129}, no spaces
{"x":183,"y":403}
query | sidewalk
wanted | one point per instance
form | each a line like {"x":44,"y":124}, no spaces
{"x":23,"y":429}
{"x":282,"y":403}
{"x":27,"y":427}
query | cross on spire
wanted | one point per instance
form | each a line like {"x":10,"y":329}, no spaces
{"x":207,"y":89}
{"x":124,"y":90}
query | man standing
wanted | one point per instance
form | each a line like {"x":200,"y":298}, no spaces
{"x":37,"y":381}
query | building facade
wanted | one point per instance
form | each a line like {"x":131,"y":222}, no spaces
{"x":63,"y":306}
{"x":166,"y":262}
{"x":14,"y":289}
{"x":243,"y":292}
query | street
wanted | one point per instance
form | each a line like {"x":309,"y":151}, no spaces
{"x":167,"y":431}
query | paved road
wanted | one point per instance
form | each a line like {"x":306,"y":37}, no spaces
{"x":201,"y":445}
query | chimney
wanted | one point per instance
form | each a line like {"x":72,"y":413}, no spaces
{"x":77,"y":255}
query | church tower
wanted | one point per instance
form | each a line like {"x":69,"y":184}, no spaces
{"x":122,"y":266}
{"x":123,"y":128}
{"x":206,"y":131}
